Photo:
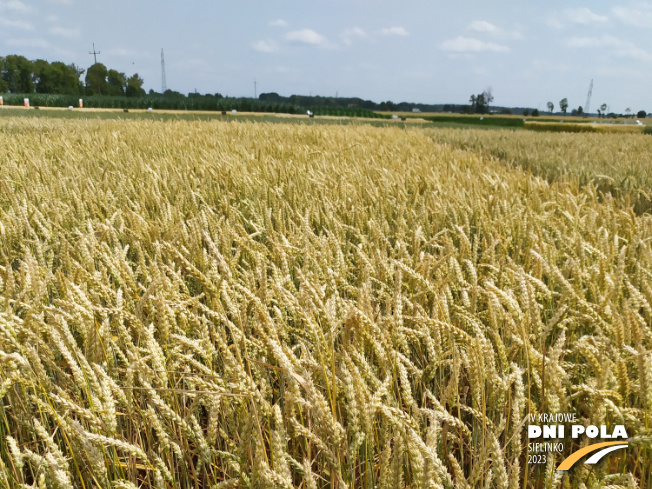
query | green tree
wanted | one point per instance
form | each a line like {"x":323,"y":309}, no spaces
{"x":603,"y":109}
{"x":4,"y":86}
{"x":550,"y":106}
{"x":480,"y":103}
{"x":641,"y":114}
{"x":173,"y":94}
{"x":67,"y":78}
{"x":96,"y":83}
{"x":17,"y":74}
{"x":57,"y":78}
{"x":563,"y":105}
{"x":43,"y":76}
{"x":135,"y":86}
{"x":116,"y":83}
{"x":535,"y":113}
{"x":580,"y":110}
{"x":270,"y":97}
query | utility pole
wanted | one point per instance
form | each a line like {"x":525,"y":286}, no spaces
{"x":94,"y":53}
{"x":255,"y":89}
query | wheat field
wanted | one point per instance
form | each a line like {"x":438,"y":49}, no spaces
{"x":211,"y":304}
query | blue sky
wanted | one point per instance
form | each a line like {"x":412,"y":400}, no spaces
{"x":414,"y":50}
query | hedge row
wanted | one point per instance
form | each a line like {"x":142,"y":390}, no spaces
{"x":183,"y":103}
{"x":169,"y":103}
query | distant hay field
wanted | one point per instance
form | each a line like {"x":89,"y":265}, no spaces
{"x":253,"y":305}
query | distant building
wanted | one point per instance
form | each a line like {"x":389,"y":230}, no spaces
{"x":416,"y":110}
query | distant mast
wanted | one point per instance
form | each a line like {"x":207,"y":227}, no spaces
{"x":588,"y":98}
{"x":164,"y":85}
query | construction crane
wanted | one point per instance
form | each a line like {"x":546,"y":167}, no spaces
{"x":588,"y":98}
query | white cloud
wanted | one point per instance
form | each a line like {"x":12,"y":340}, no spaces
{"x":16,"y":24}
{"x":554,"y":22}
{"x":68,"y":33}
{"x":547,"y":65}
{"x":306,"y":36}
{"x":265,"y":46}
{"x":484,"y":27}
{"x":349,"y":35}
{"x":631,"y":51}
{"x":639,"y":15}
{"x":278,"y":23}
{"x":15,"y":6}
{"x":395,"y":31}
{"x":620,"y":74}
{"x":614,"y":46}
{"x":29,"y":43}
{"x":463,"y":44}
{"x":583,"y":42}
{"x":584,"y":16}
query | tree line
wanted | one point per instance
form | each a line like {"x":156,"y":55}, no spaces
{"x":602,"y":110}
{"x":348,"y":102}
{"x":21,"y":75}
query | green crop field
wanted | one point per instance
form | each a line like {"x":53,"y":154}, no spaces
{"x":230,"y":302}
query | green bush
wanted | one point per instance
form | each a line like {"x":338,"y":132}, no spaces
{"x":347,"y":111}
{"x":478,"y":120}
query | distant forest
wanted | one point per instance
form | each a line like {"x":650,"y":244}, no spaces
{"x":19,"y":75}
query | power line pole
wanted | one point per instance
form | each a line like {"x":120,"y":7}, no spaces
{"x":164,"y":84}
{"x":94,"y":53}
{"x":255,"y":89}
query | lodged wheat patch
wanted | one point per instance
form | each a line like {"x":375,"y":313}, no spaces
{"x":254,"y":305}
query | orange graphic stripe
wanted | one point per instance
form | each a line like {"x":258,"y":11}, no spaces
{"x":574,"y":457}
